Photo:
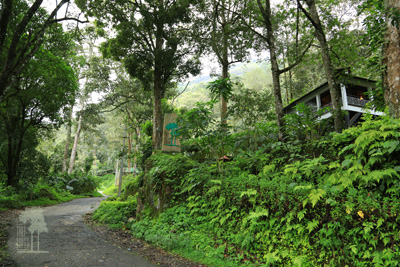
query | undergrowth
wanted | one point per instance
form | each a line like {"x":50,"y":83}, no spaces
{"x":109,"y":188}
{"x":331,"y":201}
{"x":49,"y":190}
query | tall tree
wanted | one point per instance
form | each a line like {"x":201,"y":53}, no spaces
{"x":67,"y":140}
{"x":95,"y":74}
{"x":226,"y":37}
{"x":76,"y":140}
{"x":42,"y":91}
{"x":392,"y":57}
{"x":22,"y":28}
{"x":313,"y":16}
{"x":153,"y":41}
{"x":130,"y":101}
{"x":259,"y":18}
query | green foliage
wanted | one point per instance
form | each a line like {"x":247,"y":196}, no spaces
{"x":115,"y":213}
{"x":281,"y":203}
{"x":35,"y":101}
{"x":220,"y":88}
{"x":106,"y":181}
{"x":198,"y":121}
{"x":76,"y":183}
{"x":132,"y":186}
{"x":44,"y":192}
{"x":168,"y":170}
{"x":147,"y":128}
{"x":254,"y":139}
{"x":9,"y":199}
{"x":304,"y":123}
{"x":129,"y":188}
{"x":373,"y":38}
{"x":201,"y":136}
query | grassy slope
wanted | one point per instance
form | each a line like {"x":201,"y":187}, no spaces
{"x":280,"y":205}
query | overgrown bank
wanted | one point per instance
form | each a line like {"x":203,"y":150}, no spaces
{"x":332,"y":201}
{"x":49,"y":190}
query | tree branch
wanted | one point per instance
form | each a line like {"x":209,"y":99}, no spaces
{"x":67,"y":18}
{"x":173,"y":99}
{"x":298,"y":60}
{"x":307,"y":14}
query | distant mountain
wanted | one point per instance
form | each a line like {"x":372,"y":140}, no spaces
{"x":238,"y":69}
{"x":254,"y":75}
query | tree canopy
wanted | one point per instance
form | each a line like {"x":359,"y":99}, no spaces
{"x":142,"y":54}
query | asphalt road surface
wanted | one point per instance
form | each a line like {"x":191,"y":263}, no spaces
{"x":56,"y":236}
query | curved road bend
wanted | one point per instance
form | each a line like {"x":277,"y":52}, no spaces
{"x":56,"y":236}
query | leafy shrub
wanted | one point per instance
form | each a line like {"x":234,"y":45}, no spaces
{"x":304,"y":123}
{"x":213,"y":139}
{"x":43,"y":191}
{"x":106,"y":181}
{"x":8,"y":198}
{"x":131,"y":186}
{"x":332,"y":202}
{"x":169,"y":169}
{"x":255,"y":139}
{"x":116,"y":213}
{"x":76,"y":183}
{"x":81,"y":184}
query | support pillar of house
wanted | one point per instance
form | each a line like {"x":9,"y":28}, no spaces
{"x":347,"y":118}
{"x":354,"y":118}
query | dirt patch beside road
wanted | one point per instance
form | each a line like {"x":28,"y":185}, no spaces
{"x":6,"y":218}
{"x":124,"y":240}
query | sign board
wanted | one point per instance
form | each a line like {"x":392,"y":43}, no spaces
{"x":171,"y":134}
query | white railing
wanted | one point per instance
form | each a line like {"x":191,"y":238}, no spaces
{"x":356,"y":101}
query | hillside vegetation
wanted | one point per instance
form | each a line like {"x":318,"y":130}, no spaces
{"x":254,"y":76}
{"x":321,"y":201}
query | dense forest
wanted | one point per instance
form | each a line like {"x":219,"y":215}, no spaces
{"x":85,"y":85}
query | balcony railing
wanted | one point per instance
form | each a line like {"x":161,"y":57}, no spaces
{"x":356,"y":101}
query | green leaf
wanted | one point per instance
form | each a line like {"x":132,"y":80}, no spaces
{"x":379,"y":222}
{"x":257,"y":214}
{"x":312,"y":225}
{"x":301,"y":214}
{"x":391,"y":145}
{"x":298,"y":261}
{"x":271,"y":257}
{"x":315,"y":195}
{"x":248,"y":193}
{"x":214,"y":189}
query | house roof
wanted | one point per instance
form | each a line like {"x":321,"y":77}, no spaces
{"x":343,"y":78}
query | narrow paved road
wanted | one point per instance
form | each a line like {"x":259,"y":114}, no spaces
{"x":56,"y":236}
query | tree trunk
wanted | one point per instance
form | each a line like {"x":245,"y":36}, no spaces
{"x":225,"y":74}
{"x":13,"y":158}
{"x":136,"y":148}
{"x":16,"y":133}
{"x":290,"y":85}
{"x":276,"y":89}
{"x":266,"y":12}
{"x":129,"y":150}
{"x":329,"y":71}
{"x":157,"y":119}
{"x":4,"y":21}
{"x":74,"y":148}
{"x":67,"y":141}
{"x":158,"y":92}
{"x":392,"y":60}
